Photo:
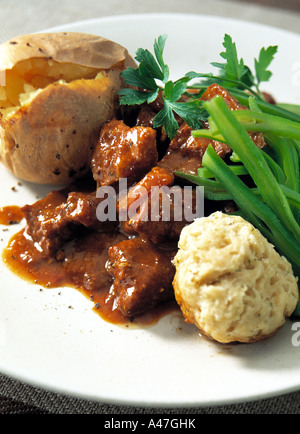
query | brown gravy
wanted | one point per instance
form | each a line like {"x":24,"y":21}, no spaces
{"x":76,"y":266}
{"x":10,"y":215}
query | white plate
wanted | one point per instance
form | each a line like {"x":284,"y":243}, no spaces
{"x":46,"y":343}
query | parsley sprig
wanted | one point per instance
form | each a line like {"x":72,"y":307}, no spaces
{"x":237,"y":74}
{"x":152,"y":76}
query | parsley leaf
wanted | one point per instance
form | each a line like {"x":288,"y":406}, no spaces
{"x":266,"y":56}
{"x":234,"y":68}
{"x":192,"y":112}
{"x":139,"y":78}
{"x":167,"y":119}
{"x":159,"y":46}
{"x":234,"y":72}
{"x":133,"y":96}
{"x":150,"y":68}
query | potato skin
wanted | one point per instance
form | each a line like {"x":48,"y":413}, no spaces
{"x":51,"y":140}
{"x":65,"y":47}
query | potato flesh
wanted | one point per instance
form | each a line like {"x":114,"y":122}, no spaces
{"x":27,"y":78}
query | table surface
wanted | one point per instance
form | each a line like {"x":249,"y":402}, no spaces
{"x":34,"y":15}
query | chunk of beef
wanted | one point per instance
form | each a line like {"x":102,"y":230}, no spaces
{"x":135,"y":200}
{"x":269,"y":98}
{"x":145,"y":116}
{"x":123,"y":152}
{"x":80,"y":208}
{"x":165,"y":213}
{"x":156,"y":209}
{"x":162,"y":212}
{"x":143,"y":275}
{"x":185,"y":151}
{"x":42,"y":222}
{"x":217,"y":90}
{"x":155,"y":177}
{"x":84,"y":259}
{"x":59,"y":216}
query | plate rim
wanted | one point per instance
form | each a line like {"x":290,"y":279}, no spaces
{"x":151,"y":15}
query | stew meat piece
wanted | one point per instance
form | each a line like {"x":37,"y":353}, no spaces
{"x":133,"y":205}
{"x":185,"y":151}
{"x":123,"y":152}
{"x":154,"y":211}
{"x":59,"y":216}
{"x":217,"y":90}
{"x":142,"y":273}
{"x":165,"y":214}
{"x":146,"y":117}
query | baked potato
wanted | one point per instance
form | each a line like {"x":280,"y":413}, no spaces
{"x":57,"y":90}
